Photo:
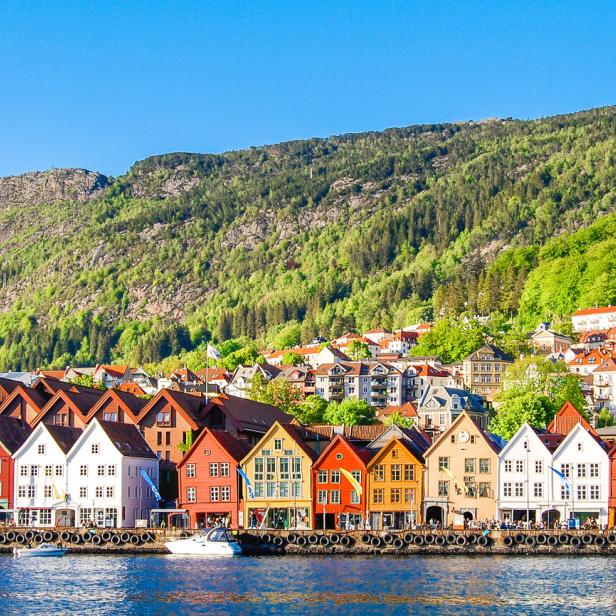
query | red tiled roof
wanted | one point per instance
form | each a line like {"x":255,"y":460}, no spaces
{"x":132,"y":388}
{"x":408,"y":409}
{"x":587,"y":311}
{"x":566,"y":419}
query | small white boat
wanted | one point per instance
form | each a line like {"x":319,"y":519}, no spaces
{"x":42,"y":550}
{"x":207,"y":542}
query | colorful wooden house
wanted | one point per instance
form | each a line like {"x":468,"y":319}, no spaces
{"x":68,"y":408}
{"x":338,"y":504}
{"x":24,"y":403}
{"x":279,"y":469}
{"x":210,"y":488}
{"x":395,"y":485}
{"x":118,"y":406}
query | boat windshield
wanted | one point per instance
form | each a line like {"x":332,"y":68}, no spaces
{"x":220,"y":534}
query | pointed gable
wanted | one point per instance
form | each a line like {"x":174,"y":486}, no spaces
{"x":567,"y":418}
{"x":68,"y":408}
{"x":125,"y":406}
{"x":24,"y":403}
{"x":360,"y":455}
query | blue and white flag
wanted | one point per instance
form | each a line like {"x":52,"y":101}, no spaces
{"x":212,"y":352}
{"x":149,"y":481}
{"x":244,"y":476}
{"x":561,"y":475}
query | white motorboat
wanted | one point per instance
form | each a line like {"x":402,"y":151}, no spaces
{"x":207,"y":542}
{"x":42,"y":550}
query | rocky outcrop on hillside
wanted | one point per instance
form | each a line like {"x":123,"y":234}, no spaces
{"x":49,"y":186}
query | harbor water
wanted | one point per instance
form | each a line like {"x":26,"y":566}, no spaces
{"x":144,"y":585}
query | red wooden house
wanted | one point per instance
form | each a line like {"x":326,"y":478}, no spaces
{"x":68,"y":408}
{"x":13,"y":434}
{"x":337,"y":505}
{"x":210,"y":487}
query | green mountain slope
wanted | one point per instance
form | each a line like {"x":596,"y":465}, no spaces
{"x":349,"y":231}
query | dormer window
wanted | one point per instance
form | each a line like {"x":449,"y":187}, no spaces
{"x":163,"y":418}
{"x":41,"y":450}
{"x":95,"y":448}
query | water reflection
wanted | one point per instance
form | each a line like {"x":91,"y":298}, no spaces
{"x":307,"y":585}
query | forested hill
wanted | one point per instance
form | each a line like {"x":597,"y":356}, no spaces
{"x":350,"y":231}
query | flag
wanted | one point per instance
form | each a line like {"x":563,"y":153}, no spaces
{"x":244,"y":476}
{"x":453,"y":478}
{"x":561,"y":475}
{"x":149,"y":481}
{"x":356,"y":485}
{"x":213,"y":352}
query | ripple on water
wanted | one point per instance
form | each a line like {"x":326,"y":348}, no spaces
{"x":307,"y":585}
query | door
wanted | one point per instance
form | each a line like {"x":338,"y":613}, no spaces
{"x":65,"y":517}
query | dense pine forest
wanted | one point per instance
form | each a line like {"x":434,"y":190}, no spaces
{"x":513,"y":219}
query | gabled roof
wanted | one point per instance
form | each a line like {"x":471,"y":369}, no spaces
{"x":79,"y":402}
{"x":248,"y":414}
{"x":32,"y":397}
{"x":213,"y":374}
{"x":395,"y":440}
{"x":192,"y":407}
{"x":13,"y":433}
{"x":566,"y":419}
{"x":185,"y":375}
{"x":128,"y":402}
{"x":131,"y":388}
{"x":498,"y":353}
{"x":548,"y":440}
{"x":579,"y":427}
{"x":495,"y":442}
{"x":408,"y":409}
{"x":235,"y":447}
{"x":63,"y":436}
{"x":52,"y":374}
{"x":127,"y":439}
{"x":113,"y":370}
{"x":608,"y":365}
{"x":9,"y":385}
{"x":363,"y":455}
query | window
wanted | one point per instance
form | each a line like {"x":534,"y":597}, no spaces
{"x":225,"y":493}
{"x":356,"y":475}
{"x":83,"y":492}
{"x":23,"y":471}
{"x":538,"y":466}
{"x":579,"y":445}
{"x":581,"y":470}
{"x":94,"y":449}
{"x":395,"y":495}
{"x":258,"y":469}
{"x":377,"y":495}
{"x":507,"y":466}
{"x":565,"y":469}
{"x":83,"y":470}
{"x":111,"y":470}
{"x":270,"y":468}
{"x":470,"y":487}
{"x":258,"y":489}
{"x":334,"y":497}
{"x":519,"y":466}
{"x":283,"y":489}
{"x":538,"y":490}
{"x":396,"y":472}
{"x":41,"y":450}
{"x":484,"y":465}
{"x":443,"y":488}
{"x":507,"y":488}
{"x":31,"y":491}
{"x":283,"y":465}
{"x":47,"y":491}
{"x":581,"y":492}
{"x":322,"y":497}
{"x":443,"y":462}
{"x":394,"y":453}
{"x":594,"y":470}
{"x":564,"y":492}
{"x":163,"y":418}
{"x":409,"y":472}
{"x":110,"y":491}
{"x":168,"y":438}
{"x":191,"y":495}
{"x":213,"y":469}
{"x":224,"y":469}
{"x":270,"y":489}
{"x":519,"y":489}
{"x":594,"y":492}
{"x":85,"y":516}
{"x":214,"y":494}
{"x":296,"y":489}
{"x":34,"y":470}
{"x":99,"y":492}
{"x":334,"y":476}
{"x":111,"y":417}
{"x":441,"y":418}
{"x":100,"y":470}
{"x":379,"y":472}
{"x":409,"y":495}
{"x":191,"y":471}
{"x":355,"y":498}
{"x":277,"y":444}
{"x":21,"y":491}
{"x":322,"y":477}
{"x":469,"y":465}
{"x":297,"y":469}
{"x":485,"y":489}
{"x":48,"y":470}
{"x":59,"y":471}
{"x":159,"y":438}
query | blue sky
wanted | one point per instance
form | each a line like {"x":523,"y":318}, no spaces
{"x":102,"y":84}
